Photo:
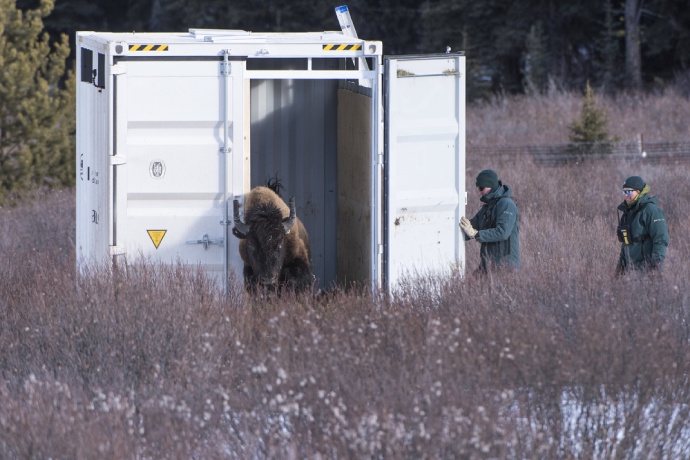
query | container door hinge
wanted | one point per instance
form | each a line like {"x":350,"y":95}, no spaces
{"x":225,"y":67}
{"x":206,"y":241}
{"x":118,"y":69}
{"x":117,"y":250}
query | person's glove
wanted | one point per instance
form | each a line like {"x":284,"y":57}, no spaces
{"x":467,"y":227}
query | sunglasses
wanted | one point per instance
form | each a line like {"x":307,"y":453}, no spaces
{"x":481,"y":189}
{"x":628,"y":192}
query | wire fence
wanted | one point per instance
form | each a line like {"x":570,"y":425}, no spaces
{"x":559,"y":154}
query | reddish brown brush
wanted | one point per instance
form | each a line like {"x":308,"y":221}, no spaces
{"x":561,"y":360}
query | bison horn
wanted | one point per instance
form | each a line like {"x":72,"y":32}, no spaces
{"x":241,"y":229}
{"x":288,"y":222}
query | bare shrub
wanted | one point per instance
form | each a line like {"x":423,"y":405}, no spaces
{"x":559,"y":360}
{"x":545,"y":119}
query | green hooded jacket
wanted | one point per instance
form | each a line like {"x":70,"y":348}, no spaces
{"x":496,"y":223}
{"x":648,"y":234}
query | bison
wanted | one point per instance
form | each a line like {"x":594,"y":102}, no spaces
{"x":274,"y":245}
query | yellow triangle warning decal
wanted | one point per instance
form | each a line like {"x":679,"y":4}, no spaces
{"x":156,"y":236}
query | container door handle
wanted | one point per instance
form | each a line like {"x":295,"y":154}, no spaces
{"x":206,"y":241}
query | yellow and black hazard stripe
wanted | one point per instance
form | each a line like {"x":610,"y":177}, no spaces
{"x":148,"y":47}
{"x":341,"y":47}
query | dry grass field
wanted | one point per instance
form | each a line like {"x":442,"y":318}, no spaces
{"x":545,"y":119}
{"x":561,"y":360}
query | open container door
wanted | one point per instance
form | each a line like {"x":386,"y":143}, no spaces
{"x":179,"y":160}
{"x":425,"y":166}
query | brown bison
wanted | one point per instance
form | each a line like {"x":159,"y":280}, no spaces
{"x":274,"y":245}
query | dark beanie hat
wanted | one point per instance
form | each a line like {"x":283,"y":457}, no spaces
{"x":487,"y":178}
{"x":634,"y":182}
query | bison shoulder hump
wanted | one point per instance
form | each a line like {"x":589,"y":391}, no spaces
{"x":264,"y":196}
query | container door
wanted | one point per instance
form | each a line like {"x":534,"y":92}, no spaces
{"x":425,"y":166}
{"x":173,"y":185}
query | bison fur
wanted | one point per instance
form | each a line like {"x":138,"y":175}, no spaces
{"x":274,"y":245}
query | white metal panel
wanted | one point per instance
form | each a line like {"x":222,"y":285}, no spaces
{"x":161,"y":112}
{"x":175,"y":167}
{"x":425,"y":158}
{"x":377,"y":180}
{"x":93,"y":217}
{"x":258,"y":45}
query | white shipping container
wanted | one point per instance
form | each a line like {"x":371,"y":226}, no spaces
{"x":172,"y":127}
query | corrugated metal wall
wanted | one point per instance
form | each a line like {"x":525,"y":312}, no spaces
{"x":294,"y":136}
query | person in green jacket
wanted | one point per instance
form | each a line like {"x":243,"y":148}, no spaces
{"x":642,"y":229}
{"x":495,"y":225}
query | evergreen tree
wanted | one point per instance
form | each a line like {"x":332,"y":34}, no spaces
{"x":666,"y":44}
{"x":536,"y":72}
{"x":608,"y":49}
{"x":633,"y":54}
{"x":589,"y":133}
{"x":37,"y":121}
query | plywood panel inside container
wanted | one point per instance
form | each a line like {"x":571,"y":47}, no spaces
{"x":354,"y":187}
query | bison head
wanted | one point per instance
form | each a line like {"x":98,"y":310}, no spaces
{"x":264,"y":232}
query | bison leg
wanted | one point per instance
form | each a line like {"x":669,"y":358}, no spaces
{"x":250,"y":281}
{"x":296,"y":276}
